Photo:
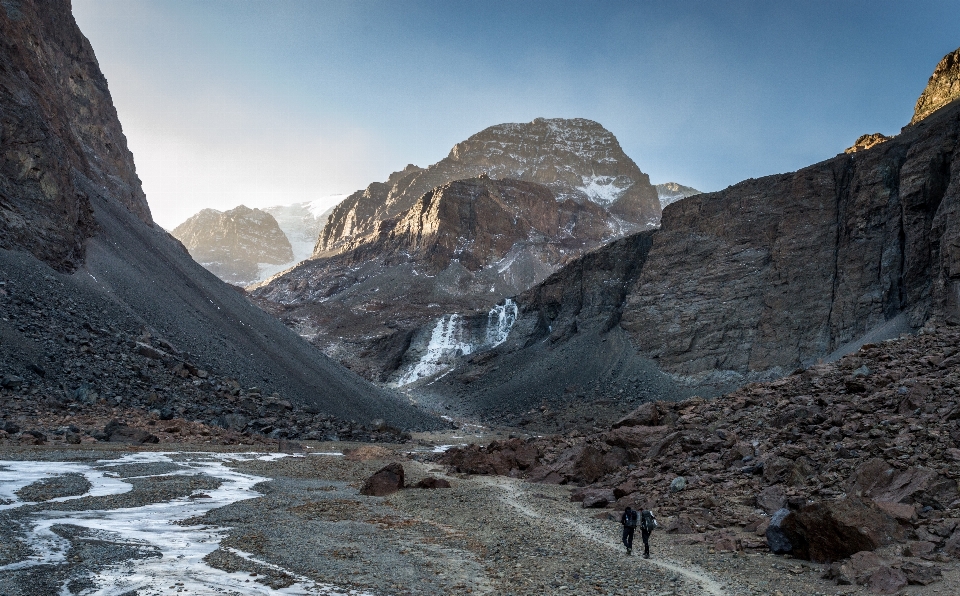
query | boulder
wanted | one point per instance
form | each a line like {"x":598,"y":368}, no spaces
{"x":431,"y":483}
{"x":385,"y":481}
{"x":646,"y":415}
{"x":887,"y":580}
{"x":832,"y":530}
{"x":921,"y":574}
{"x":772,"y":499}
{"x":880,"y":481}
{"x":777,"y":539}
{"x":118,"y":432}
{"x":640,"y":437}
{"x":678,"y":484}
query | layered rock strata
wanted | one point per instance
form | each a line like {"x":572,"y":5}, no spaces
{"x":240,"y":246}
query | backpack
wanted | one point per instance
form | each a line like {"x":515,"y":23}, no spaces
{"x":630,"y":519}
{"x":649,"y":522}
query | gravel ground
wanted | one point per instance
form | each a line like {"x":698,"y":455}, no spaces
{"x":485,"y":535}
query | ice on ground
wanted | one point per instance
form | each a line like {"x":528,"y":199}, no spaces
{"x":176,"y":551}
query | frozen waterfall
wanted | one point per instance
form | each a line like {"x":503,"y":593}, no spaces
{"x":451,"y":338}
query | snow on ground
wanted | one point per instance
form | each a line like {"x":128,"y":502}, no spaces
{"x":174,"y":553}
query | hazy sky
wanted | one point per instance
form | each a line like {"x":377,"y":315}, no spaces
{"x":279,"y":101}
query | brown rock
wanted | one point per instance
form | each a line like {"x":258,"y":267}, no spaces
{"x":832,"y":530}
{"x":898,"y":511}
{"x":887,"y":580}
{"x":117,"y":432}
{"x":367,"y":452}
{"x":865,"y":142}
{"x":645,"y":415}
{"x":385,"y":481}
{"x":921,"y":574}
{"x":942,"y":88}
{"x":772,"y":498}
{"x":430,"y":483}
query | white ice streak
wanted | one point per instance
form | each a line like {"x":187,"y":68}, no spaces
{"x":449,"y":339}
{"x":179,"y":550}
{"x":603,"y":189}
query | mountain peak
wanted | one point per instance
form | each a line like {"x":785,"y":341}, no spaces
{"x":942,"y":88}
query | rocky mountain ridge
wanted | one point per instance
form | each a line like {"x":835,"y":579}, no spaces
{"x":577,"y":159}
{"x":942,"y":88}
{"x":239,"y":246}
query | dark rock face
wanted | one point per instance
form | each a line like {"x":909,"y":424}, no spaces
{"x":66,"y":177}
{"x":385,"y":481}
{"x":117,"y":432}
{"x":233,"y":245}
{"x":942,"y":88}
{"x":432,"y":483}
{"x":577,"y":159}
{"x":60,"y":140}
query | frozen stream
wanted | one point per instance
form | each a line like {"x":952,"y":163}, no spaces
{"x":167,"y":556}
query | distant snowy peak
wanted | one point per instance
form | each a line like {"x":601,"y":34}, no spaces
{"x":671,"y":192}
{"x":303,"y":222}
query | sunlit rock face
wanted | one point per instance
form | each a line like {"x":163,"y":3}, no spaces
{"x":942,"y":88}
{"x":239,"y":246}
{"x":671,"y":192}
{"x":865,"y":142}
{"x":60,"y":140}
{"x":576,"y":159}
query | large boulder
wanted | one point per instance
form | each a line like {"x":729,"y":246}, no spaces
{"x":385,"y":481}
{"x":118,"y":432}
{"x":646,"y":415}
{"x":640,"y":437}
{"x":832,"y":530}
{"x":880,"y":481}
{"x":777,"y":539}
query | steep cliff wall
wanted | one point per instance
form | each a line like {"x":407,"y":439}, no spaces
{"x":69,"y":196}
{"x":942,"y":88}
{"x":58,"y":129}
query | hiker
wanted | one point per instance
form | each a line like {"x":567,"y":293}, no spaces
{"x":629,"y":519}
{"x":648,"y":523}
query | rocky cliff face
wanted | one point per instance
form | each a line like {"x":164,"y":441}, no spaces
{"x":942,"y":88}
{"x":750,"y":282}
{"x":68,"y":191}
{"x":671,"y":192}
{"x":240,"y":246}
{"x":60,"y":139}
{"x":577,"y":159}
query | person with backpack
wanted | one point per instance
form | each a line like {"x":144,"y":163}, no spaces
{"x":629,"y":520}
{"x":648,"y":523}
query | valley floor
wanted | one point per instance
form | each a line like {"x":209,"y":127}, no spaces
{"x":114,"y":520}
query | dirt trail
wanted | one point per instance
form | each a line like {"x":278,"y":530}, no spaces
{"x":512,"y":493}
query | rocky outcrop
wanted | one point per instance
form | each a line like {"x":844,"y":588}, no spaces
{"x":671,"y":192}
{"x":240,"y":246}
{"x":865,"y":142}
{"x":60,"y":140}
{"x":577,"y":159}
{"x":942,"y":88}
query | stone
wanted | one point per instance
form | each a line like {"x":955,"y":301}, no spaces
{"x":678,"y":484}
{"x":899,"y":511}
{"x":385,"y":481}
{"x":828,"y":531}
{"x":11,"y":382}
{"x":887,"y":580}
{"x":921,"y":574}
{"x":645,"y":415}
{"x":865,"y":142}
{"x":772,"y":499}
{"x":432,"y":483}
{"x":777,"y":539}
{"x":149,"y":351}
{"x":118,"y":432}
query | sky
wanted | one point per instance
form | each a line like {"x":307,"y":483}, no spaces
{"x":266,"y":102}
